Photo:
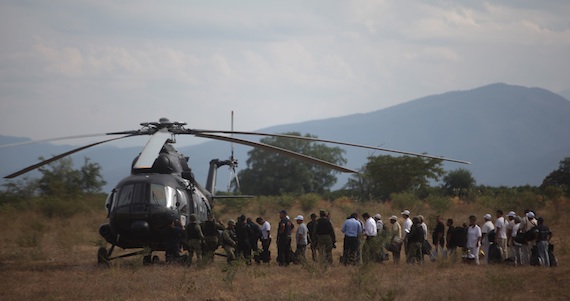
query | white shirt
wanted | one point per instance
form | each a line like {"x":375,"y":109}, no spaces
{"x":370,"y":227}
{"x":515,"y":230}
{"x":407,"y":226}
{"x":265,"y":228}
{"x":302,"y":234}
{"x":501,"y":227}
{"x":487,"y":227}
{"x":473,"y":235}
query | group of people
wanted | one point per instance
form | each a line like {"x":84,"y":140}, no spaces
{"x":238,"y":239}
{"x":512,"y":239}
{"x":521,"y":240}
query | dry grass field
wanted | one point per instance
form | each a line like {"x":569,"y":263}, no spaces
{"x":44,"y":258}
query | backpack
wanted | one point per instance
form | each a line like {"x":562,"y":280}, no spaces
{"x":494,"y":254}
{"x":460,"y":236}
{"x":491,"y":235}
{"x":529,"y":235}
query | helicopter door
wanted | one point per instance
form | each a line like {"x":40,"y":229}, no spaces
{"x":182,"y":205}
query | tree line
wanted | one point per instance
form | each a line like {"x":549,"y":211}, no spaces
{"x":268,"y":173}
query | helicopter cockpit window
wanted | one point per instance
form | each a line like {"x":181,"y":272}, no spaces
{"x":157,"y":194}
{"x":125,"y":196}
{"x":163,"y":195}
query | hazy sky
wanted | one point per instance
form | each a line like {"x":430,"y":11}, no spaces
{"x":90,"y":66}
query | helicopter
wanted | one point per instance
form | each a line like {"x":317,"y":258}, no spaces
{"x":161,"y":188}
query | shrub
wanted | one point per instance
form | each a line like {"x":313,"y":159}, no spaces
{"x":309,"y":201}
{"x":439,"y":204}
{"x":406,"y":200}
{"x":286,"y":201}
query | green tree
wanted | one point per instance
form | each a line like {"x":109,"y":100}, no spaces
{"x":60,"y":179}
{"x":559,"y":178}
{"x":384,"y":175}
{"x":269,"y":173}
{"x":459,"y":183}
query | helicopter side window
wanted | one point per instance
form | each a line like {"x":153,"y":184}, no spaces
{"x":158,"y":195}
{"x":125,"y":195}
{"x":171,"y":197}
{"x":182,"y":201}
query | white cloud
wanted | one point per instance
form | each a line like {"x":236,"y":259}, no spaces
{"x":272,"y":62}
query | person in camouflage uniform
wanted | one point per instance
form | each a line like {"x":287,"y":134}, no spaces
{"x":323,"y":232}
{"x":195,"y":238}
{"x":211,"y":230}
{"x":229,"y":241}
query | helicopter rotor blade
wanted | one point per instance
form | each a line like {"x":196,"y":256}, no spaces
{"x":336,"y":142}
{"x":152,"y":149}
{"x":277,"y":150}
{"x":38,"y":165}
{"x":53,"y":139}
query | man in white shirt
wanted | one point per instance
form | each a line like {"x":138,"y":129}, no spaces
{"x":301,"y":238}
{"x":516,"y":247}
{"x":369,"y":249}
{"x":473,"y":239}
{"x":265,"y":239}
{"x":501,"y":234}
{"x":487,"y":227}
{"x":407,"y":226}
{"x":510,"y":224}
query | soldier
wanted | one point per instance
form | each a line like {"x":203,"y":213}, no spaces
{"x":229,"y":239}
{"x":243,"y":233}
{"x":195,"y":238}
{"x":254,"y":238}
{"x":284,"y":239}
{"x":312,"y":241}
{"x":174,"y":235}
{"x":211,"y":230}
{"x":325,"y":238}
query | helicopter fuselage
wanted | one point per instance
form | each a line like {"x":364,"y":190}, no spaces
{"x":143,"y":206}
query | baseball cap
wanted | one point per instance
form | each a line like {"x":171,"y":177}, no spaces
{"x":406,"y":212}
{"x":378,"y":216}
{"x":512,"y":213}
{"x":530,"y":215}
{"x":299,"y":218}
{"x":487,"y":216}
{"x":393,"y":217}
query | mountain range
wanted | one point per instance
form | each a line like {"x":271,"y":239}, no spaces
{"x":512,"y":135}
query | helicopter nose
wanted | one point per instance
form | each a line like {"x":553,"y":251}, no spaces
{"x":139,"y":227}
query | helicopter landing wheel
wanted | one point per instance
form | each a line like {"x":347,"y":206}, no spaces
{"x":147,"y":260}
{"x":102,"y":256}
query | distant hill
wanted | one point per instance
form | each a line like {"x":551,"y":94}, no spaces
{"x":512,"y":135}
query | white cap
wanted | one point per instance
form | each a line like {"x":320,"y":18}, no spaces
{"x":393,"y":218}
{"x":512,"y":213}
{"x":299,"y":218}
{"x":378,"y":216}
{"x":406,"y":212}
{"x":530,"y":215}
{"x":487,"y":216}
